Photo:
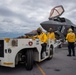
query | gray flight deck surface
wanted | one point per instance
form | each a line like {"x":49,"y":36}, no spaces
{"x":61,"y":64}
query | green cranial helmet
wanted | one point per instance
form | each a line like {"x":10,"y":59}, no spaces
{"x":39,"y":29}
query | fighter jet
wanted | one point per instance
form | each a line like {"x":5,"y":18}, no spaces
{"x":59,"y":24}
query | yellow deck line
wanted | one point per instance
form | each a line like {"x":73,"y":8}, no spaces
{"x":41,"y":70}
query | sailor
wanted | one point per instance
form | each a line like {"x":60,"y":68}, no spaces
{"x":43,"y":38}
{"x":51,"y":34}
{"x":71,"y":40}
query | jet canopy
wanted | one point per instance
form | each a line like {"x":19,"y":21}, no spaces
{"x":56,"y":12}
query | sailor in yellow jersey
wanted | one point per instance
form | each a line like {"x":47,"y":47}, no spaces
{"x":43,"y":38}
{"x":41,"y":35}
{"x":51,"y":34}
{"x":71,"y":40}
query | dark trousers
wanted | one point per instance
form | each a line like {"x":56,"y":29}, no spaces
{"x":43,"y":48}
{"x":71,"y":47}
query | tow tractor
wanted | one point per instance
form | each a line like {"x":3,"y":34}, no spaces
{"x":27,"y":51}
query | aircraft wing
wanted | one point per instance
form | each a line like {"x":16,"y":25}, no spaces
{"x":32,"y":33}
{"x":55,"y":24}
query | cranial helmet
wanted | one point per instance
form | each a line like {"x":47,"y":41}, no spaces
{"x":50,"y":30}
{"x":70,"y":30}
{"x":39,"y":29}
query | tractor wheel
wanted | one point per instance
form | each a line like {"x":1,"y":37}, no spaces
{"x":60,"y":46}
{"x":29,"y":60}
{"x":51,"y":53}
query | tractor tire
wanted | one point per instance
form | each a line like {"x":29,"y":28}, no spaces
{"x":29,"y":60}
{"x":51,"y":53}
{"x":60,"y":46}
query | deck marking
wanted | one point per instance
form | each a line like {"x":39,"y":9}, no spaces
{"x":41,"y":70}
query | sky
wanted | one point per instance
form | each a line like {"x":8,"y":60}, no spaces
{"x":18,"y":17}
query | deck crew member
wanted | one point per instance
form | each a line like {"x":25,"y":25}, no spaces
{"x":43,"y":38}
{"x":71,"y":40}
{"x":51,"y":34}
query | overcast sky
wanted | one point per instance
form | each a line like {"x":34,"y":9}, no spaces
{"x":21,"y":16}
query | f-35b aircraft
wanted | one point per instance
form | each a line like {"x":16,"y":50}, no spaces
{"x":59,"y":24}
